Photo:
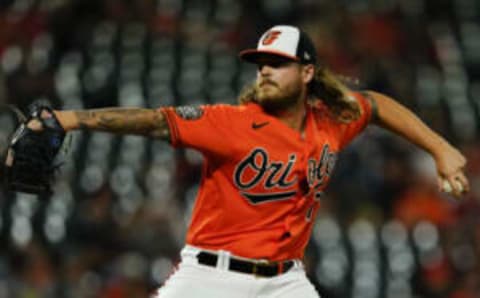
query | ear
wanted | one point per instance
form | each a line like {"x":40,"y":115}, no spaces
{"x":308,"y":72}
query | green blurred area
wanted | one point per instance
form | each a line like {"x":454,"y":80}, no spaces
{"x":118,"y":217}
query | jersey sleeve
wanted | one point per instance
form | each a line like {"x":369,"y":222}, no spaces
{"x":348,"y":131}
{"x":204,"y":128}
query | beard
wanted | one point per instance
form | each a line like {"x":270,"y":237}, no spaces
{"x":273,"y":97}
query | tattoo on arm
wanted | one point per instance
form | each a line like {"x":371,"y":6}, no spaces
{"x":138,"y":121}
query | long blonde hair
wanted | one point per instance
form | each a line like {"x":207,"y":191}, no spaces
{"x":327,"y":87}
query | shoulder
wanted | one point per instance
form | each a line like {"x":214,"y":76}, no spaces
{"x":226,"y":110}
{"x":318,"y":106}
{"x":361,"y":96}
{"x":369,"y":100}
{"x":367,"y":95}
{"x":229,"y":112}
{"x":322,"y":114}
{"x":354,"y":107}
{"x":241,"y":109}
{"x":199,"y":111}
{"x":221,"y":107}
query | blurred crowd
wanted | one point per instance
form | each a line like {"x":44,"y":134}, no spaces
{"x":117,"y":219}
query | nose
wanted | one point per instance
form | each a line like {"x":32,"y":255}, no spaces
{"x":264,"y":70}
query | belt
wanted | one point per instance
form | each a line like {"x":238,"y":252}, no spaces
{"x":260,"y":268}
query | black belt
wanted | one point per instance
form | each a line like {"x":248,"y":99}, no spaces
{"x":267,"y":269}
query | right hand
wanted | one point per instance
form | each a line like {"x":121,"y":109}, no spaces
{"x":450,"y":168}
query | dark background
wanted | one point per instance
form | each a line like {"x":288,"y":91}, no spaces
{"x":117,"y":220}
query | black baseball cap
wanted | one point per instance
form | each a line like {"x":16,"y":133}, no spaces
{"x":285,"y":41}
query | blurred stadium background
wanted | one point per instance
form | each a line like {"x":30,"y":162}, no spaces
{"x":117,"y":220}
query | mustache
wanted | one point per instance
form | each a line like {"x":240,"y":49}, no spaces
{"x":267,"y":82}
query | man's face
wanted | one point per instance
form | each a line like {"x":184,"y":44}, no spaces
{"x":280,"y":82}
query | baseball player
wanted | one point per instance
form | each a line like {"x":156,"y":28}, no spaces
{"x":267,"y":161}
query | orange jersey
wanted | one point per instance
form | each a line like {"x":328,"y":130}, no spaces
{"x":262,"y":180}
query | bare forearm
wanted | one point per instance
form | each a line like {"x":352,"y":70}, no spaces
{"x":137,"y":121}
{"x":400,"y":120}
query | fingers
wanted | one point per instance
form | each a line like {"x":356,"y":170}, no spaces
{"x":440,"y":183}
{"x":463,"y":181}
{"x":9,"y":159}
{"x":456,"y":185}
{"x":35,"y":125}
{"x":46,"y":114}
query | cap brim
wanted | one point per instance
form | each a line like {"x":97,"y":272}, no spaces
{"x":253,"y":55}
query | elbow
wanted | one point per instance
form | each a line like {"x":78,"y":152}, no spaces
{"x":160,"y":128}
{"x":160,"y":133}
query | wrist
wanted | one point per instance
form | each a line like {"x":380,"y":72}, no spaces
{"x":439,"y":147}
{"x":67,"y":119}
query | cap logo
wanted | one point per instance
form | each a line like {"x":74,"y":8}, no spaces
{"x":270,"y":37}
{"x":306,"y":56}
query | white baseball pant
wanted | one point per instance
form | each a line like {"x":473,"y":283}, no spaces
{"x":194,"y":280}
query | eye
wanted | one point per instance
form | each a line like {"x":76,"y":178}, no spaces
{"x":275,"y":64}
{"x":272,"y":64}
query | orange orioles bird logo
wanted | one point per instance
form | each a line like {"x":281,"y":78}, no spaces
{"x":270,"y":37}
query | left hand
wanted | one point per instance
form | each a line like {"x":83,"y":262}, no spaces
{"x":450,"y":167}
{"x":31,"y":161}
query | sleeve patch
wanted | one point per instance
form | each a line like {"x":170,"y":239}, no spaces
{"x":189,"y":112}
